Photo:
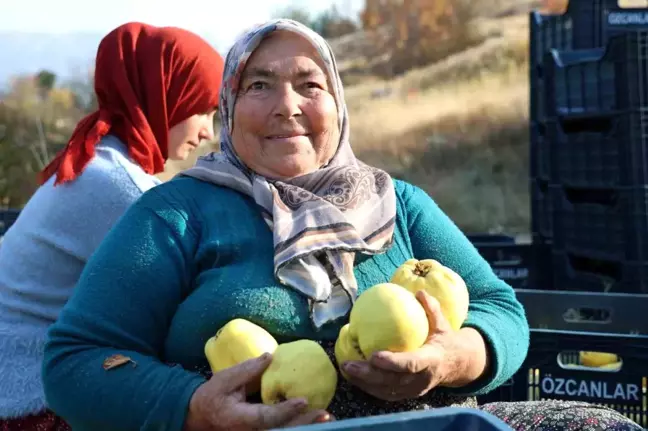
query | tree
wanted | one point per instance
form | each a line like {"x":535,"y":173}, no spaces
{"x":329,"y":23}
{"x":420,"y":31}
{"x":46,"y":80}
{"x":296,"y":14}
{"x":36,"y":120}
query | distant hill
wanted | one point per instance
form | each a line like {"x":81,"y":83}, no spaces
{"x":67,"y":55}
{"x":64,"y":54}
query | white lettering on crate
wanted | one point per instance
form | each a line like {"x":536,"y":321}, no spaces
{"x":590,"y":389}
{"x":628,"y":18}
{"x":511,"y":273}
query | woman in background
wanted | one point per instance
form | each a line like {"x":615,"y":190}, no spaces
{"x":157,"y":91}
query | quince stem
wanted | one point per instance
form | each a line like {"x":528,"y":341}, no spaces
{"x":421,"y":269}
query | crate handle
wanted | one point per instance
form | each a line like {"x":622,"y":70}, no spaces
{"x":605,"y":197}
{"x":596,"y":124}
{"x":609,"y":271}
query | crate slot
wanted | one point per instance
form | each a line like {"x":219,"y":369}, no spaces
{"x":606,"y":151}
{"x":588,"y":314}
{"x":601,"y":268}
{"x":601,"y":224}
{"x":596,"y":124}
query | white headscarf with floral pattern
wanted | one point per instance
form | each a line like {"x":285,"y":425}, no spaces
{"x":321,"y":219}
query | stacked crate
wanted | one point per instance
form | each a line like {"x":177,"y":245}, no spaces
{"x":589,"y":200}
{"x":589,"y":147}
{"x":7,"y":218}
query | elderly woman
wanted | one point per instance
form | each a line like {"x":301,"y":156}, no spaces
{"x":285,"y":228}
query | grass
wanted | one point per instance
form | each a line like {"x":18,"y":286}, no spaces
{"x":465,"y":144}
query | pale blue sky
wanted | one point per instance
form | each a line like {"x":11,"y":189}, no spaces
{"x":220,"y":24}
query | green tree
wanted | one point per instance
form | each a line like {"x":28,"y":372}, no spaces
{"x":36,"y":120}
{"x":331,"y":23}
{"x":295,"y":13}
{"x":46,"y":80}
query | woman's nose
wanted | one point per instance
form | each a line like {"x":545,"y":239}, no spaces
{"x":207,"y":132}
{"x":288,"y":102}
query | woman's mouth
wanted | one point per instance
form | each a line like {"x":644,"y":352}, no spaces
{"x":287,"y":138}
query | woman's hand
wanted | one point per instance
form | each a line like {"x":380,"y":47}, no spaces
{"x":448,"y":358}
{"x":219,"y":404}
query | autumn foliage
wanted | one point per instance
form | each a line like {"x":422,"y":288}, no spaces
{"x":418,"y":32}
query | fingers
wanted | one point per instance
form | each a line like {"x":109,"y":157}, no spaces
{"x":407,"y":362}
{"x":365,"y":372}
{"x":384,"y":385}
{"x":233,"y":378}
{"x":261,"y":416}
{"x":436,"y":319}
{"x":308,"y":418}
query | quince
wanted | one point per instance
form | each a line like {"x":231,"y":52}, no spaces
{"x":438,"y":281}
{"x":346,"y":349}
{"x":598,"y":359}
{"x":236,"y":342}
{"x":300,"y":369}
{"x":384,"y":317}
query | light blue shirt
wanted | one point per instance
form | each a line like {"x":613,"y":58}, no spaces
{"x":42,"y":256}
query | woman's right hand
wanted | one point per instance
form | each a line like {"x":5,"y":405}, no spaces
{"x":220,"y":404}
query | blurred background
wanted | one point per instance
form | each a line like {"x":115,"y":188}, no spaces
{"x":438,"y":90}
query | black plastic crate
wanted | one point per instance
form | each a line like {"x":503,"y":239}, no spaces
{"x":551,"y":371}
{"x":541,"y":209}
{"x":523,"y":265}
{"x":7,"y":218}
{"x":599,"y":152}
{"x":606,"y":224}
{"x":576,"y":272}
{"x":510,"y":261}
{"x":539,"y":152}
{"x":537,"y":98}
{"x":598,"y":81}
{"x":541,"y":266}
{"x":561,"y":310}
{"x":585,"y":24}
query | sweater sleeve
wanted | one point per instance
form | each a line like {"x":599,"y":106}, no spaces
{"x":493,"y":309}
{"x":123,"y":305}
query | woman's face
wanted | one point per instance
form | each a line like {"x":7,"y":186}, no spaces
{"x":285,"y":117}
{"x":186,"y":136}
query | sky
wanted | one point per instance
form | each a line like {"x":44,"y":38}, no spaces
{"x":205,"y":17}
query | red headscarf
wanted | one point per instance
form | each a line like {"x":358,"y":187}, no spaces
{"x":147,"y":80}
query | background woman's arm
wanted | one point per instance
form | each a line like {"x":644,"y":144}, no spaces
{"x":122,"y":305}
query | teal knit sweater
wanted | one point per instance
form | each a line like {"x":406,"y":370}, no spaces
{"x":188,"y":257}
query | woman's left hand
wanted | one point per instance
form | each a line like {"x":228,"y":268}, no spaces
{"x":398,"y":376}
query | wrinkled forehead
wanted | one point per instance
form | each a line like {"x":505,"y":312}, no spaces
{"x":277,"y":53}
{"x":241,"y":52}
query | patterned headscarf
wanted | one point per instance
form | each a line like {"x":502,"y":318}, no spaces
{"x":321,"y":219}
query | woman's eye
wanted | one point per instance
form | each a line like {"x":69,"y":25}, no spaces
{"x":313,"y":85}
{"x":258,"y":85}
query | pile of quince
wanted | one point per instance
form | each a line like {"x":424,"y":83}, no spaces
{"x":387,"y":316}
